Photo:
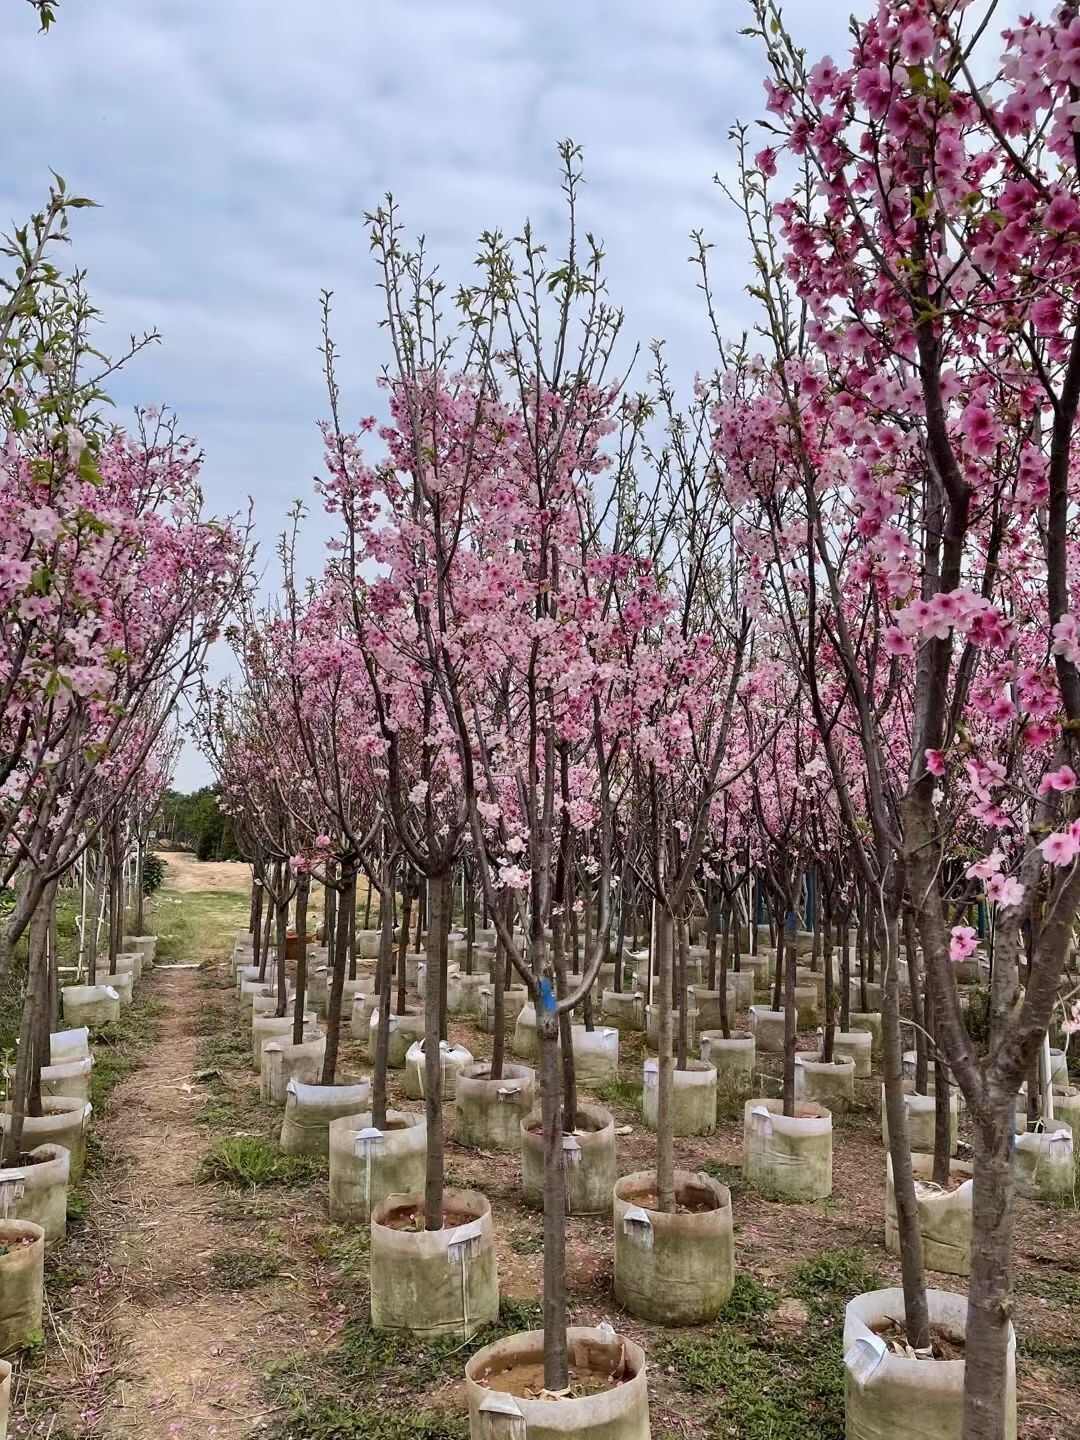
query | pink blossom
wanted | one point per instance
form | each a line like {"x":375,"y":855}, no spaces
{"x":513,"y":877}
{"x":897,"y":643}
{"x":985,"y":868}
{"x":1063,"y":780}
{"x":1004,"y":890}
{"x":917,"y":41}
{"x":935,"y":762}
{"x":963,"y":943}
{"x":1060,"y":848}
{"x":1046,"y":315}
{"x":1062,"y":213}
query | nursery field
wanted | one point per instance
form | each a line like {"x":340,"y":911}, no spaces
{"x":202,"y":1291}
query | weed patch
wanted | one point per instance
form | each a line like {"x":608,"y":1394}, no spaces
{"x":619,"y":1092}
{"x":243,"y":1269}
{"x":248,"y":1162}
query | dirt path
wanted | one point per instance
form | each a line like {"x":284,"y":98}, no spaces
{"x":184,"y":873}
{"x":189,"y":1353}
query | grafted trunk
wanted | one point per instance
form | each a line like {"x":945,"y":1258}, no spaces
{"x":403,"y":942}
{"x":556,"y":1367}
{"x":330,"y":907}
{"x":942,"y":1109}
{"x":710,"y":935}
{"x":828,"y":1039}
{"x":281,"y":916}
{"x":683,"y":1039}
{"x":350,"y":925}
{"x":989,"y":1288}
{"x":28,"y":1059}
{"x":845,"y":972}
{"x":140,"y":898}
{"x":438,"y":899}
{"x":790,"y":1028}
{"x":725,"y":1023}
{"x":385,"y":968}
{"x":268,"y":917}
{"x":337,"y":977}
{"x":920,"y":1001}
{"x":566,"y":1041}
{"x":499,"y":978}
{"x":303,"y":892}
{"x":665,"y":1079}
{"x":778,"y":984}
{"x":258,"y":954}
{"x":907,"y":1216}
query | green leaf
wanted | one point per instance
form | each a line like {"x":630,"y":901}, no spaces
{"x":88,"y":470}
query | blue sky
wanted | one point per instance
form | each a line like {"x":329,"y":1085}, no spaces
{"x":234,"y":146}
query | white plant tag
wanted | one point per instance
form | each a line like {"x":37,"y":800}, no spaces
{"x":864,"y":1357}
{"x":464,"y":1241}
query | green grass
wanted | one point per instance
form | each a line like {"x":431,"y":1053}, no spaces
{"x":196,"y":925}
{"x":749,"y":1300}
{"x":1051,"y":1285}
{"x":119,"y":1048}
{"x":326,"y":1395}
{"x":249,"y":1162}
{"x":327,"y":1420}
{"x":243,"y":1269}
{"x":758,"y":1380}
{"x":729,"y":1175}
{"x":620,"y":1092}
{"x":527,"y":1240}
{"x":828,"y":1281}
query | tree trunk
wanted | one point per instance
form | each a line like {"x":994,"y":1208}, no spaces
{"x":920,"y":1001}
{"x":421,"y":913}
{"x":403,"y":942}
{"x":257,"y":955}
{"x":710,"y":936}
{"x":114,"y":907}
{"x":29,"y":1029}
{"x":44,"y":1009}
{"x":665,"y":1079}
{"x":386,"y":967}
{"x":907,"y":1215}
{"x":989,"y":1288}
{"x":281,"y":928}
{"x":330,"y":907}
{"x":303,"y":892}
{"x":556,"y":1368}
{"x":566,"y":1039}
{"x":337,"y":973}
{"x":828,"y":1039}
{"x":350,"y":925}
{"x":778,"y":984}
{"x":498,"y":979}
{"x":845,"y":973}
{"x":438,"y":897}
{"x":684,"y":998}
{"x":790,"y":1028}
{"x":140,"y":898}
{"x":942,"y":1096}
{"x":268,"y":915}
{"x":725,"y":1023}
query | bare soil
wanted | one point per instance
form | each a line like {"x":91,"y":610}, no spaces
{"x":185,"y":874}
{"x":142,"y":1339}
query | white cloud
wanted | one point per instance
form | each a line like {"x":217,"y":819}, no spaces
{"x":235,"y":144}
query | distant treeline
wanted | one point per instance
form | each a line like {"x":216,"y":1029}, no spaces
{"x":196,"y":822}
